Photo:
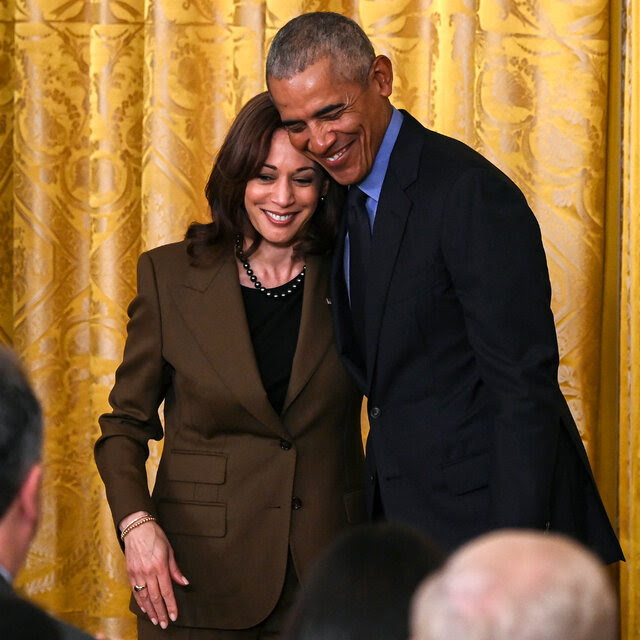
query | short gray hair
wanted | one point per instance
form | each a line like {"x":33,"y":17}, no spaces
{"x":20,"y":427}
{"x":517,"y":586}
{"x":311,"y":37}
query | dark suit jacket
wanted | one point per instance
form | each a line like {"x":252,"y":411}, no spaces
{"x":469,"y":429}
{"x":237,"y":485}
{"x":8,"y":596}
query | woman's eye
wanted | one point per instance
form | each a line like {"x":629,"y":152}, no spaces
{"x":304,"y":181}
{"x":263,"y":177}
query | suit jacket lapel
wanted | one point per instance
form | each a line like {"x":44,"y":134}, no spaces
{"x":210,"y":302}
{"x":316,"y":332}
{"x":391,"y":217}
{"x":393,"y":210}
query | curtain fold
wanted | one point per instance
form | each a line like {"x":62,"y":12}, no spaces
{"x":629,"y":376}
{"x":110,"y":116}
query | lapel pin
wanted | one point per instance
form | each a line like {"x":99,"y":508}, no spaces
{"x":328,"y":300}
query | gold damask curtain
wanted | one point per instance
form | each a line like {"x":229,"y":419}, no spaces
{"x":110,"y":114}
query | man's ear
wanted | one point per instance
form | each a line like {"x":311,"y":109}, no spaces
{"x":381,"y":73}
{"x":29,"y":494}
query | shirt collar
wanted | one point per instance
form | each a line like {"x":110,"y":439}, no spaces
{"x":6,"y":574}
{"x":372,"y":184}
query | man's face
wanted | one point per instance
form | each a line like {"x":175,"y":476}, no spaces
{"x":338,"y":123}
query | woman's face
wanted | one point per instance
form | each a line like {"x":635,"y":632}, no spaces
{"x":281,"y":199}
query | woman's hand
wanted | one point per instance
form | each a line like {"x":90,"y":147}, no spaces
{"x":151,"y":564}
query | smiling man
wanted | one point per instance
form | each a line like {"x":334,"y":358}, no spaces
{"x":441,"y":301}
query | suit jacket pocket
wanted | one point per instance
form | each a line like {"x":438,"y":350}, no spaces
{"x":468,"y":474}
{"x":196,"y":466}
{"x":193,"y":518}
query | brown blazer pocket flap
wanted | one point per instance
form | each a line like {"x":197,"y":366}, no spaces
{"x":194,"y":519}
{"x":355,"y":506}
{"x":468,"y":474}
{"x":206,"y":468}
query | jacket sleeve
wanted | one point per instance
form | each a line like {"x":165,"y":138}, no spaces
{"x":493,"y":249}
{"x":140,"y":384}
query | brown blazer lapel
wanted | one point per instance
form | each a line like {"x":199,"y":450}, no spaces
{"x":316,"y":331}
{"x":210,"y":302}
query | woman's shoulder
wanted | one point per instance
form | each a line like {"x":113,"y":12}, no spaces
{"x":172,"y":261}
{"x":174,"y":252}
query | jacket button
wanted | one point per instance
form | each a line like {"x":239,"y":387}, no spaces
{"x":375,"y":412}
{"x":296,"y":503}
{"x":285,"y":444}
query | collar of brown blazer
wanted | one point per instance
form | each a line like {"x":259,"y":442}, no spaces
{"x":210,"y":302}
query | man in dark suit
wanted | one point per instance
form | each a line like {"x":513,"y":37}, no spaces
{"x":441,"y":306}
{"x":20,"y":477}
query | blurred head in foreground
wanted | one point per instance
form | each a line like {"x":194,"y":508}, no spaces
{"x":362,"y":586}
{"x":517,"y":585}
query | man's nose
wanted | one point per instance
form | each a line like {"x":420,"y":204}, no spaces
{"x":321,"y":139}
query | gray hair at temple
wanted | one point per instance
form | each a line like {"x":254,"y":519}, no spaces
{"x":517,"y":585}
{"x":311,"y":37}
{"x":20,"y":427}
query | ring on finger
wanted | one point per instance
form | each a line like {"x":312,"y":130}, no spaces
{"x":137,"y":588}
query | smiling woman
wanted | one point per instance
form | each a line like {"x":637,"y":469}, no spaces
{"x":231,"y":328}
{"x":280,"y":202}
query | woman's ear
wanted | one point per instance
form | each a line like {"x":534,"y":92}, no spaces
{"x":324,"y":189}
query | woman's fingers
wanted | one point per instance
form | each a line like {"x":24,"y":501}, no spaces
{"x":176,"y":574}
{"x":151,"y":564}
{"x":157,"y":603}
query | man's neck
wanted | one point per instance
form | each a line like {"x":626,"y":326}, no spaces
{"x":12,"y":549}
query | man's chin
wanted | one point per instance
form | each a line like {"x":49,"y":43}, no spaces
{"x":344,"y":176}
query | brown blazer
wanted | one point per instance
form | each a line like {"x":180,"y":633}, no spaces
{"x":237,"y":485}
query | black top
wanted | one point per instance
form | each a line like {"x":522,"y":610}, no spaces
{"x":274,"y":325}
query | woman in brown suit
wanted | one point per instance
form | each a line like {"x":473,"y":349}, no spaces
{"x":262,"y":458}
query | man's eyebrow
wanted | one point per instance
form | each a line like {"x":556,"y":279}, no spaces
{"x":328,"y":109}
{"x":318,"y":114}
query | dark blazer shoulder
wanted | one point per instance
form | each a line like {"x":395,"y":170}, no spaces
{"x":419,"y":150}
{"x":25,"y":608}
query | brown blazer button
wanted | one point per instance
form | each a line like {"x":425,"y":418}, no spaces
{"x":285,"y":444}
{"x":296,"y":503}
{"x":375,"y":412}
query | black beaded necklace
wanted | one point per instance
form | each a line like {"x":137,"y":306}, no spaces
{"x":293,"y":285}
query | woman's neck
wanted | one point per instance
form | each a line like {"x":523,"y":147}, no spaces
{"x":273,"y":265}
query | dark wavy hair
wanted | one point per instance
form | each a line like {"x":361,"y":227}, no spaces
{"x":241,"y":158}
{"x":362,"y":584}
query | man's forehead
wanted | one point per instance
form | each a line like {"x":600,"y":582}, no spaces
{"x":311,"y":93}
